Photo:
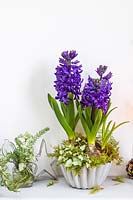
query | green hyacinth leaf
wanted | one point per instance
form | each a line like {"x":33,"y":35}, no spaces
{"x":63,"y":108}
{"x":50,"y":100}
{"x":84,"y":123}
{"x":88,"y":112}
{"x":117,"y":126}
{"x":108,"y":135}
{"x":76,"y":120}
{"x":105,"y":118}
{"x":61,"y":118}
{"x":96,"y":126}
{"x":70,"y":112}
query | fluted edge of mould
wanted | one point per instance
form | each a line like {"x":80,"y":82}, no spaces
{"x":88,"y":178}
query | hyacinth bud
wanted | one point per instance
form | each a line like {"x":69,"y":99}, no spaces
{"x":101,"y":70}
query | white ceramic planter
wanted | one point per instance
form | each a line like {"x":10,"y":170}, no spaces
{"x":88,"y":178}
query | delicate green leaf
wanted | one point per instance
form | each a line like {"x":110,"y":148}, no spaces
{"x":96,"y":189}
{"x":39,"y":134}
{"x":51,"y":183}
{"x":119,"y":179}
{"x":68,"y":163}
{"x":107,"y":136}
{"x":83,"y":147}
{"x":105,"y":133}
{"x":105,"y":118}
{"x":120,"y":124}
{"x":108,"y":113}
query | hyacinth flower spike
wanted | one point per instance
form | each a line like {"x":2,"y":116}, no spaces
{"x":67,"y":84}
{"x":95,"y":107}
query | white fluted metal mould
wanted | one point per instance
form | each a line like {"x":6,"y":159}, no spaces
{"x":88,"y":178}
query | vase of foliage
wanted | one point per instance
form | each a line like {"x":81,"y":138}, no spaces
{"x":23,"y":159}
{"x":85,"y":159}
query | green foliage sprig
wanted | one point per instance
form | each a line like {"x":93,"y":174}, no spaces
{"x":24,"y":148}
{"x":23,"y":158}
{"x":4,"y":175}
{"x":96,"y":189}
{"x":119,"y":179}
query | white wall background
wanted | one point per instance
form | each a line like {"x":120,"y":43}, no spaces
{"x":33,"y":33}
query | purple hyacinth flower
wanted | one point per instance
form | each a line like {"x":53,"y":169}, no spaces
{"x":97,"y":92}
{"x":101,"y":70}
{"x":68,"y":77}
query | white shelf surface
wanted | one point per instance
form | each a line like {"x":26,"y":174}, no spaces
{"x":62,"y":191}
